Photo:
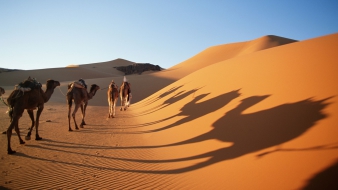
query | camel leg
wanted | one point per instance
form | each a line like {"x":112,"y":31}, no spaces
{"x":114,"y":106}
{"x":38,"y":113}
{"x":14,"y":124}
{"x":16,"y":127}
{"x":83,"y":110}
{"x":109,"y":108}
{"x":73,"y":115}
{"x":9,"y":135}
{"x":121,"y":97}
{"x":84,"y":113}
{"x":31,"y":115}
{"x":69,"y":110}
{"x":125,"y":103}
{"x":129,"y":99}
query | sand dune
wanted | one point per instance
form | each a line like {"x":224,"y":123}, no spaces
{"x":260,"y":114}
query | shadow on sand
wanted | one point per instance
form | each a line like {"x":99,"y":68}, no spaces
{"x":189,"y":110}
{"x":249,"y":132}
{"x":326,"y":179}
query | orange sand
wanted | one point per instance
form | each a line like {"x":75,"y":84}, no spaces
{"x":260,"y":114}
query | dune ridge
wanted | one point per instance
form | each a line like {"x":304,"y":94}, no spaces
{"x":219,"y":53}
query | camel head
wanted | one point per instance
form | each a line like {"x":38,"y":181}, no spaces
{"x":52,"y":84}
{"x":94,"y":88}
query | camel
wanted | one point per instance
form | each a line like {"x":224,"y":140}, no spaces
{"x":27,"y":98}
{"x":2,"y":91}
{"x":80,"y":96}
{"x":113,"y":95}
{"x":129,"y":95}
{"x":124,"y":95}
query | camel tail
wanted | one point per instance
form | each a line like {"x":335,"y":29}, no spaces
{"x":12,"y":98}
{"x":10,"y":104}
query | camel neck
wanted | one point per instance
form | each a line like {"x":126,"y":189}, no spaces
{"x":48,"y":93}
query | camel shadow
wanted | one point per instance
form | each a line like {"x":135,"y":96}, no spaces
{"x":164,"y":94}
{"x":193,"y":109}
{"x":179,"y":96}
{"x":251,"y":132}
{"x":326,"y":179}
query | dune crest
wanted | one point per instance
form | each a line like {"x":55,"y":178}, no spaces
{"x":224,"y":52}
{"x":72,"y":66}
{"x":263,"y":43}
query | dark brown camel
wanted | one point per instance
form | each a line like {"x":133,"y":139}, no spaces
{"x":19,"y":100}
{"x":80,"y":96}
{"x":113,"y":95}
{"x":2,"y":91}
{"x":124,"y":94}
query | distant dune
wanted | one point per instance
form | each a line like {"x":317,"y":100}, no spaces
{"x":71,"y":66}
{"x":259,"y":114}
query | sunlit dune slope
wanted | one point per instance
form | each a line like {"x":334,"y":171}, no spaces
{"x":264,"y":120}
{"x":227,"y":51}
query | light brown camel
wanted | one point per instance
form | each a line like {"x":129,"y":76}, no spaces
{"x":19,"y":100}
{"x":80,"y":96}
{"x":113,"y":95}
{"x":124,"y":94}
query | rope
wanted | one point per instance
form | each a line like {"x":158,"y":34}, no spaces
{"x":3,"y":100}
{"x":61,"y":91}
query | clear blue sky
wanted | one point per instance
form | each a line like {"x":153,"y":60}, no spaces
{"x":37,"y":34}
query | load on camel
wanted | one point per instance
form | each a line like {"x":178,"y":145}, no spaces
{"x":125,"y":94}
{"x":77,"y":92}
{"x":27,"y":95}
{"x":113,"y":95}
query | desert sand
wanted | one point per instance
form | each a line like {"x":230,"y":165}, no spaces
{"x":259,"y":114}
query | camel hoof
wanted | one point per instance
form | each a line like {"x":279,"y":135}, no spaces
{"x":28,"y":138}
{"x":70,"y":130}
{"x":22,"y":142}
{"x":38,"y":138}
{"x":11,"y":152}
{"x":5,"y":132}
